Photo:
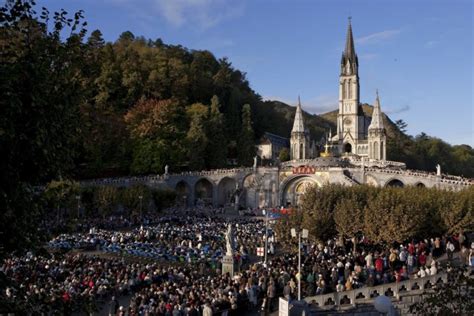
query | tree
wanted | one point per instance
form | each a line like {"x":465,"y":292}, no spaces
{"x":197,"y":142}
{"x":131,"y":201}
{"x":158,"y":128}
{"x":106,"y":199}
{"x":217,"y":147}
{"x":456,"y":297}
{"x":284,"y":155}
{"x":61,"y":195}
{"x":458,"y":214}
{"x":394,"y":214}
{"x":40,"y":94}
{"x":349,"y":216}
{"x":317,"y":207}
{"x":246,"y":142}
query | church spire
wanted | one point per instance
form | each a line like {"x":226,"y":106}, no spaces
{"x":377,"y":119}
{"x":349,"y":54}
{"x":298,"y":124}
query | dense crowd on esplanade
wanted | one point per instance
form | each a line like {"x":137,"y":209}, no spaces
{"x":173,"y":267}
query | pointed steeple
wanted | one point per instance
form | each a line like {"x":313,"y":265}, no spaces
{"x":377,"y":119}
{"x":350,"y":50}
{"x":298,"y":124}
{"x":349,"y":53}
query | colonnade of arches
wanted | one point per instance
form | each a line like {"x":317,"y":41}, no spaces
{"x":250,"y":192}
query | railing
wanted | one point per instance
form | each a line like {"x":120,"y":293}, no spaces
{"x":366,"y":294}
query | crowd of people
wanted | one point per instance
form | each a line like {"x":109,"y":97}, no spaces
{"x":185,"y":276}
{"x":176,"y":239}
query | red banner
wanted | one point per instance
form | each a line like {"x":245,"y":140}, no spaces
{"x":304,"y":170}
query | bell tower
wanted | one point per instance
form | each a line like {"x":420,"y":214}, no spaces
{"x":348,"y":119}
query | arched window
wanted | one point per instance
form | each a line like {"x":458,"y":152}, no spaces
{"x":376,"y":150}
{"x":349,"y":84}
{"x":301,"y":151}
{"x":347,"y":89}
{"x":343,"y":88}
{"x":381,"y":150}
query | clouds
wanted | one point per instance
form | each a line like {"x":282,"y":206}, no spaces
{"x":399,"y":110}
{"x":377,"y":37}
{"x":196,"y":14}
{"x":203,"y":14}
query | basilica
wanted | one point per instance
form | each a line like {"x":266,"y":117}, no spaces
{"x":355,"y":155}
{"x":356,"y":134}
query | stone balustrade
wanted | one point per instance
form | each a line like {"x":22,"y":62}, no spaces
{"x":368,"y":294}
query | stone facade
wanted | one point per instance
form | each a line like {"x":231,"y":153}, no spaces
{"x":354,"y":135}
{"x":284,"y":184}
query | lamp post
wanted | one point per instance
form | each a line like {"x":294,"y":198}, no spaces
{"x":140,"y":197}
{"x":266,"y":236}
{"x":78,"y":198}
{"x":303,"y":233}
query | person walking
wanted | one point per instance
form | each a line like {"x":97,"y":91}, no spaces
{"x":450,"y":250}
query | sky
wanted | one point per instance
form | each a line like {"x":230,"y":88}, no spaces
{"x":417,"y":53}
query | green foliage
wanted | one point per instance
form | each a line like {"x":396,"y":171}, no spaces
{"x":456,"y":297}
{"x":135,"y":199}
{"x":217,"y":144}
{"x":318,"y":207}
{"x":349,"y":212}
{"x":385,"y":215}
{"x":246,"y":143}
{"x":197,"y":142}
{"x":40,"y":93}
{"x":106,"y":199}
{"x":163,"y":198}
{"x":284,"y":155}
{"x":62,"y":193}
{"x":458,"y":211}
{"x":157,"y":129}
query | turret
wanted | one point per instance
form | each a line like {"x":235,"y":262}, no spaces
{"x":377,"y":134}
{"x":299,"y":136}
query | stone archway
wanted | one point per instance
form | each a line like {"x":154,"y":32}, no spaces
{"x":183,"y":191}
{"x":225,"y":191}
{"x":250,"y":189}
{"x":203,"y":190}
{"x":420,"y":185}
{"x":395,"y":183}
{"x":348,"y":148}
{"x":294,"y":189}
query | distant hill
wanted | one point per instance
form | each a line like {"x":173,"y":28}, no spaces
{"x":392,"y":129}
{"x":279,"y":116}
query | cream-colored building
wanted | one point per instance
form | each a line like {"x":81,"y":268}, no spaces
{"x":356,"y":134}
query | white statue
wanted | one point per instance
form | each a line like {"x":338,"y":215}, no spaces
{"x":166,"y":169}
{"x":255,"y":162}
{"x":229,"y":241}
{"x":438,"y":170}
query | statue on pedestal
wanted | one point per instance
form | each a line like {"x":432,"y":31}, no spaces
{"x":438,"y":170}
{"x":229,"y":241}
{"x":166,"y":169}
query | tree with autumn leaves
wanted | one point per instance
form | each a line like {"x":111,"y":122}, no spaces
{"x":385,"y":214}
